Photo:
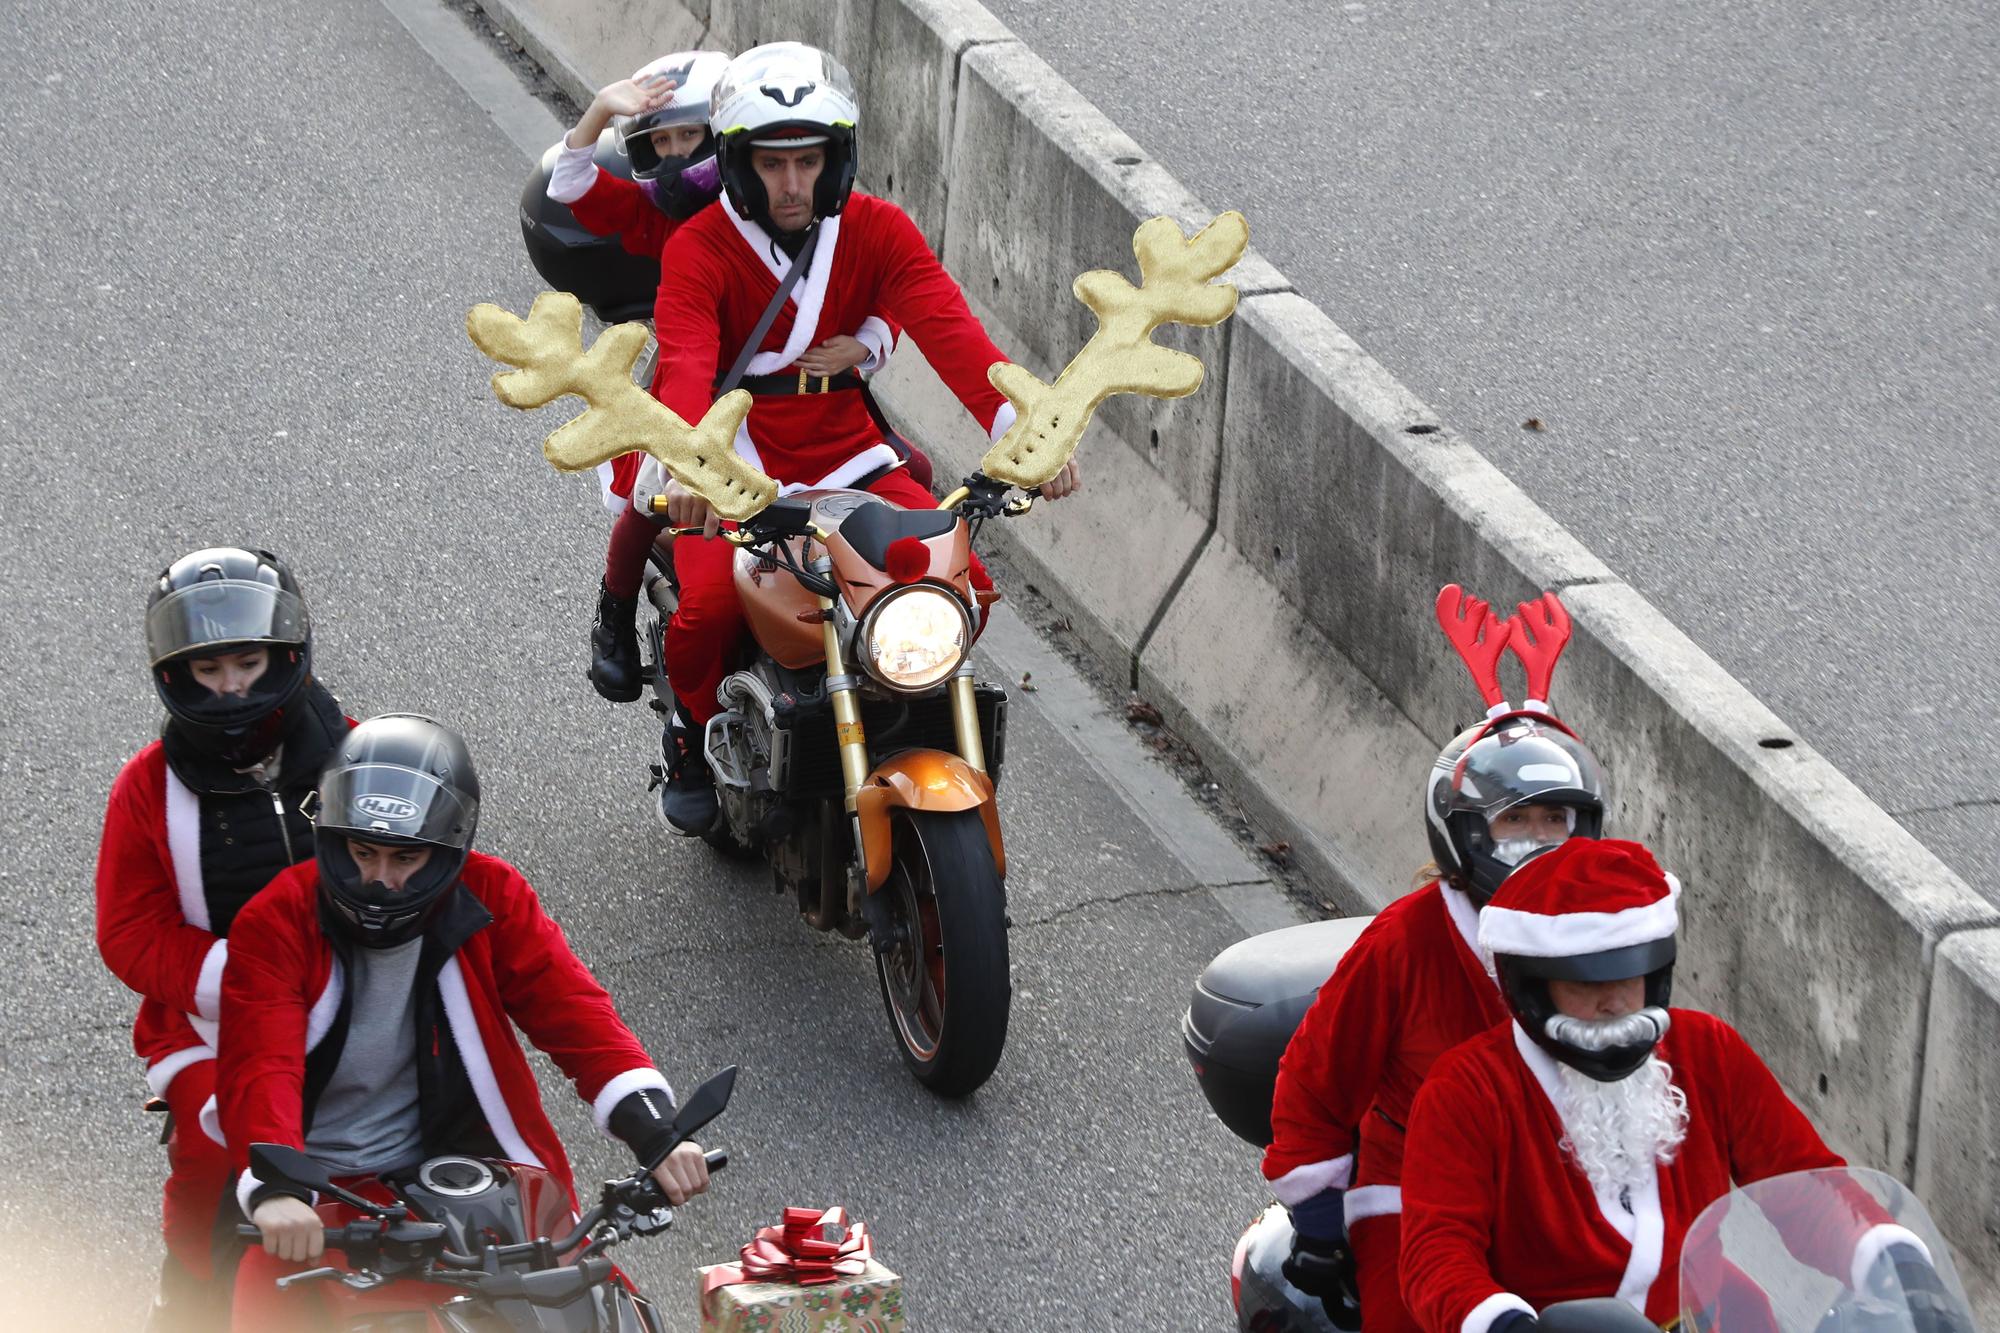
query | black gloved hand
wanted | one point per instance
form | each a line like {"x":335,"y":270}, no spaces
{"x":1323,"y":1266}
{"x":1515,"y":1321}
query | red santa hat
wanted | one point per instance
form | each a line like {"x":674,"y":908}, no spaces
{"x":1583,"y":896}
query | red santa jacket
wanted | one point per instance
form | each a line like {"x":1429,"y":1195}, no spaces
{"x":495,"y":960}
{"x":1497,"y":1217}
{"x":614,"y":206}
{"x":718,"y":273}
{"x":155,"y":921}
{"x":1411,"y":988}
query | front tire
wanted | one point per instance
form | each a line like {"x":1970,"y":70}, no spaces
{"x":944,"y":975}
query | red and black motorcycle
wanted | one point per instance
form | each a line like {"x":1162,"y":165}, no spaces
{"x":475,"y":1245}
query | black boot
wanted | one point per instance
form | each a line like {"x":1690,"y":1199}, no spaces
{"x":614,"y":647}
{"x":687,"y":787}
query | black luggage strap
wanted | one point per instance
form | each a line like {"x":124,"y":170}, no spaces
{"x":770,"y":315}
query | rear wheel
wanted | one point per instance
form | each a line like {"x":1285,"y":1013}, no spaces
{"x":944,"y":973}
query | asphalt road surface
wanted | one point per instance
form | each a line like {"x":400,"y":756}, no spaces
{"x":242,"y":241}
{"x":1743,"y":259}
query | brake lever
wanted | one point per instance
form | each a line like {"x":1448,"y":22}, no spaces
{"x":310,"y":1275}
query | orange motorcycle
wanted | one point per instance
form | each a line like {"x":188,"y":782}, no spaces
{"x":858,"y":754}
{"x":855,"y":750}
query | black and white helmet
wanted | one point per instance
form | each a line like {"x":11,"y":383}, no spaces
{"x":785,"y":95}
{"x":1487,"y":770}
{"x":398,"y":780}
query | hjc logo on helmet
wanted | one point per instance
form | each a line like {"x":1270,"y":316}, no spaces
{"x":385,"y":807}
{"x":798,"y":93}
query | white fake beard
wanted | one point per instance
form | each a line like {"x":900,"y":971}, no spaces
{"x":1618,"y":1133}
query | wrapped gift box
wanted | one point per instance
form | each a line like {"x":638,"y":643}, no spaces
{"x":869,"y":1302}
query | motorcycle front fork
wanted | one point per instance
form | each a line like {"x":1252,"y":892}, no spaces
{"x":844,"y":689}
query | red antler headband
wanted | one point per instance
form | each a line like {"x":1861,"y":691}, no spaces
{"x":1480,"y":637}
{"x":1538,"y":633}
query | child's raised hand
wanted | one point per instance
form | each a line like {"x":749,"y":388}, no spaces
{"x":629,"y":97}
{"x":833,"y":356}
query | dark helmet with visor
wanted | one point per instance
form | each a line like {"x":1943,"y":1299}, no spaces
{"x":1516,"y":759}
{"x":399,"y":780}
{"x":221,"y":600}
{"x":784,"y":95}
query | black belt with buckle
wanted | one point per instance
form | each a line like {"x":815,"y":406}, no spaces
{"x":799,"y":382}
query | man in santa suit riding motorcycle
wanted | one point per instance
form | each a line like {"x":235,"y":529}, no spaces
{"x":784,"y":116}
{"x":1563,"y":1155}
{"x":666,"y":134}
{"x":197,"y":823}
{"x":369,"y":1007}
{"x":1412,"y":986}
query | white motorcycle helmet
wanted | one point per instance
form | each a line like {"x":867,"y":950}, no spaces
{"x":784,"y":95}
{"x":695,"y":74}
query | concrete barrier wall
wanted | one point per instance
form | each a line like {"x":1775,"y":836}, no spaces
{"x":1261,"y":560}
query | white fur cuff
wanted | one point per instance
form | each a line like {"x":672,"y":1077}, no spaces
{"x":1302,"y":1182}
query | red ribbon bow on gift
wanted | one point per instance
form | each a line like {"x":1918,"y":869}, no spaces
{"x":811,"y":1247}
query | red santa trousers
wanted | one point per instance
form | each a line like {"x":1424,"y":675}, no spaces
{"x":1378,"y":1271}
{"x":709,"y":624}
{"x":198,"y":1174}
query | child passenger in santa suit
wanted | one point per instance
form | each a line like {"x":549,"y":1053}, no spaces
{"x":1415,"y":984}
{"x":667,"y":138}
{"x":370,"y":1003}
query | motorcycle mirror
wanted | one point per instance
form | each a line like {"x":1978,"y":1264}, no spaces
{"x":1599,"y":1316}
{"x":705,"y":1103}
{"x":276,"y":1164}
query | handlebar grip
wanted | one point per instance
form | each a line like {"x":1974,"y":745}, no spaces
{"x":716,"y":1159}
{"x":249,"y":1231}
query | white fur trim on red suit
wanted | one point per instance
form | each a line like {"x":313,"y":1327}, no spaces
{"x":478,"y":1066}
{"x":1485,"y":1314}
{"x":1366,"y":1201}
{"x":319,"y":1021}
{"x":160,"y":1073}
{"x":1465,"y":919}
{"x":806,"y":299}
{"x":1003,"y":421}
{"x":875,"y":335}
{"x":853,"y":470}
{"x":1302,"y":1182}
{"x":208,"y":986}
{"x":1877,"y":1239}
{"x":623,"y":1086}
{"x":211,"y":1121}
{"x":1645,"y":1226}
{"x":1532,"y":935}
{"x":184,"y":849}
{"x":614,"y":502}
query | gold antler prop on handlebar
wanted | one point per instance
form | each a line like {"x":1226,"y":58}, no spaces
{"x":1121,"y":357}
{"x":548,"y":349}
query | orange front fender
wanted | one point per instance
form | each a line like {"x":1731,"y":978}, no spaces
{"x":921,"y":780}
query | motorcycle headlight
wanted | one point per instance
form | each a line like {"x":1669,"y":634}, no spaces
{"x":914,"y":638}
